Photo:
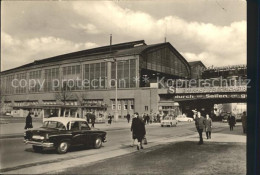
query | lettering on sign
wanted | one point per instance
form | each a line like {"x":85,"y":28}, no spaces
{"x":210,"y":96}
{"x":210,"y":89}
{"x":171,"y":90}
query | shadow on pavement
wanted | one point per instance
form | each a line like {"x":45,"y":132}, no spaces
{"x":176,"y":158}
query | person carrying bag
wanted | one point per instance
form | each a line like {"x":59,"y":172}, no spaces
{"x":145,"y":140}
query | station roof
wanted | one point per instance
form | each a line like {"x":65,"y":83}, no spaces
{"x":194,"y":63}
{"x":122,"y":49}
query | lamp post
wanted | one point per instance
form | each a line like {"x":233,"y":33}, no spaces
{"x":115,"y":113}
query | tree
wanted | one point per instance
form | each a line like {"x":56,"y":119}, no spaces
{"x":3,"y":98}
{"x":80,"y":97}
{"x":64,"y":95}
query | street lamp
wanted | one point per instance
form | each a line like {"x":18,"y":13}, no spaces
{"x":114,"y":61}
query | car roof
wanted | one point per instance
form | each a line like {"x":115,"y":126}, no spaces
{"x":64,"y":120}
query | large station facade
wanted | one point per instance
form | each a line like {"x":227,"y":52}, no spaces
{"x":76,"y":83}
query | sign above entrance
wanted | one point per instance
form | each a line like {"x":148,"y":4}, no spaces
{"x":210,"y":96}
{"x":209,"y":90}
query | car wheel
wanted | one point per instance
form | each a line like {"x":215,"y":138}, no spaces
{"x":161,"y":125}
{"x":63,"y":147}
{"x":98,"y":143}
{"x":189,"y":120}
{"x":37,"y":148}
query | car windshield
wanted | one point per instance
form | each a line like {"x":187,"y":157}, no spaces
{"x":167,"y":118}
{"x":54,"y":125}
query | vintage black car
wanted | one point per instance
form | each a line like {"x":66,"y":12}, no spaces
{"x":62,"y":132}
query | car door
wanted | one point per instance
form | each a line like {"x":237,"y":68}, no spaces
{"x":86,"y":133}
{"x":76,"y":133}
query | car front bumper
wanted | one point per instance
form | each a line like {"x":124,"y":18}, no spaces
{"x":42,"y":144}
{"x":166,"y":123}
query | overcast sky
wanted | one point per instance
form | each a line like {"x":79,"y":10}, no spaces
{"x":213,"y":31}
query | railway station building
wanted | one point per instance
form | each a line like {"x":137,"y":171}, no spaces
{"x":75,"y":83}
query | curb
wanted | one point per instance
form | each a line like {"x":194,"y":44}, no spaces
{"x":11,"y":136}
{"x":21,"y":134}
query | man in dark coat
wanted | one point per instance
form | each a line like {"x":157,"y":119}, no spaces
{"x":93,"y":118}
{"x":109,"y":119}
{"x":28,"y":122}
{"x":147,"y":118}
{"x":231,"y":121}
{"x":208,"y":126}
{"x":88,"y":116}
{"x":243,"y":118}
{"x":138,"y":130}
{"x":128,"y":117}
{"x":200,"y":124}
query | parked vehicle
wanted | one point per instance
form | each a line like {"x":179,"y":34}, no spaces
{"x":239,"y":117}
{"x":169,"y":121}
{"x":225,"y":119}
{"x":183,"y":118}
{"x":63,"y":132}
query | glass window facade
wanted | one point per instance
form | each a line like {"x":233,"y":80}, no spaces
{"x":126,"y":74}
{"x":71,"y":77}
{"x":94,"y":75}
{"x":6,"y":84}
{"x":51,"y":77}
{"x":34,"y":78}
{"x":165,"y":61}
{"x":22,"y":79}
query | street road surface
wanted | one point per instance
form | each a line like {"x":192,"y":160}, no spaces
{"x":15,"y":154}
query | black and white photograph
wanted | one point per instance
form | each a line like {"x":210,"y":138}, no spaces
{"x":125,"y":87}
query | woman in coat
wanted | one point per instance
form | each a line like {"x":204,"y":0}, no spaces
{"x":138,"y":130}
{"x":28,"y":122}
{"x":208,"y":126}
{"x":231,"y":121}
{"x":243,"y":118}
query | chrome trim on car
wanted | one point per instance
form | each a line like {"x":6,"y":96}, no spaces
{"x":37,"y":137}
{"x":60,"y":135}
{"x":43,"y":144}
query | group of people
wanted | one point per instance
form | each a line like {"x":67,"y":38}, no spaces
{"x":148,"y":118}
{"x":201,"y":123}
{"x":91,"y":117}
{"x":232,"y":121}
{"x":138,"y":125}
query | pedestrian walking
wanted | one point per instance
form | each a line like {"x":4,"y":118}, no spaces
{"x":147,"y":119}
{"x":157,"y":118}
{"x":28,"y":122}
{"x":88,"y":116}
{"x":200,"y":124}
{"x":109,"y":119}
{"x":143,"y":117}
{"x":128,"y":117}
{"x":138,"y":130}
{"x":93,"y":119}
{"x":231,"y":121}
{"x":244,"y":123}
{"x":208,"y":126}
